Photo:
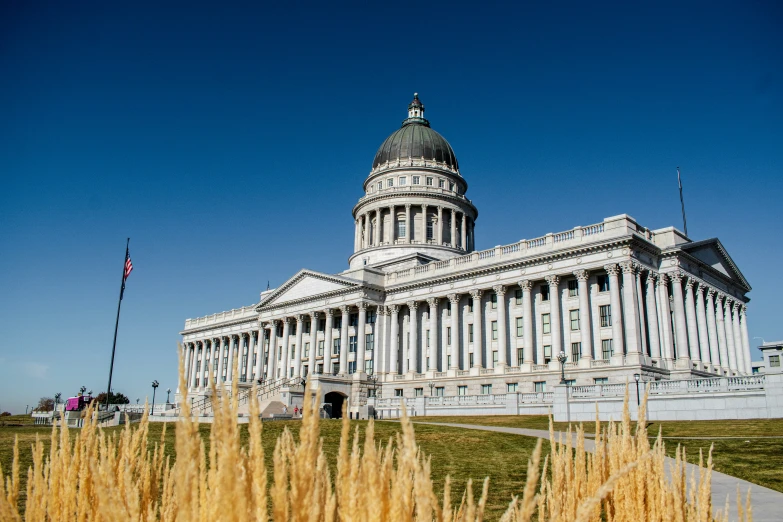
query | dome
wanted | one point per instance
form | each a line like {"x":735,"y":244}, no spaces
{"x":416,"y":140}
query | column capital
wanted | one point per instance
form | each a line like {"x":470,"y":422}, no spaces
{"x":499,"y":290}
{"x":287,"y":320}
{"x":407,"y":206}
{"x":383,"y":310}
{"x":628,"y":267}
{"x":476,"y":294}
{"x":719,"y":297}
{"x":711,"y":293}
{"x":300,"y":318}
{"x":346,"y":309}
{"x":689,"y":282}
{"x":433,"y":301}
{"x":362,"y":305}
{"x":676,"y":276}
{"x":735,"y":306}
{"x":611,"y":269}
{"x":552,"y":280}
{"x":744,"y":309}
{"x":453,"y":299}
{"x":581,"y":275}
{"x":652,"y":274}
{"x":526,"y":284}
{"x":393,"y":309}
{"x":413,"y":305}
{"x":662,"y":279}
{"x":329,"y":312}
{"x":700,"y":287}
{"x":314,"y":316}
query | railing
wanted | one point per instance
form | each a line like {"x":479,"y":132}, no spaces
{"x":237,"y":313}
{"x":540,"y":367}
{"x":486,"y":371}
{"x":597,"y":363}
{"x":563,"y":236}
{"x":484,"y":254}
{"x":513,"y":369}
{"x":533,"y":243}
{"x":441,"y":374}
{"x":461,"y":373}
{"x":499,"y":399}
{"x":685,"y":386}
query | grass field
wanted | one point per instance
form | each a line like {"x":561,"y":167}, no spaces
{"x":459,"y":453}
{"x":756,"y":460}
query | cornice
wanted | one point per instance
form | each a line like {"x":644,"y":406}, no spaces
{"x":370,"y":199}
{"x":233,"y":322}
{"x":678,"y":253}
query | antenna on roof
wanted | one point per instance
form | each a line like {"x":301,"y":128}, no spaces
{"x":682,"y":203}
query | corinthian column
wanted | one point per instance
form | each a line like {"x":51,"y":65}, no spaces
{"x":652,"y":317}
{"x":454,"y":348}
{"x":258,"y":371}
{"x":722,"y":341}
{"x":453,"y":228}
{"x":690,"y":316}
{"x":585,"y":329}
{"x":313,"y":342}
{"x":286,"y":349}
{"x":712,"y":331}
{"x":527,"y":322}
{"x":701,"y":322}
{"x":500,"y":291}
{"x":477,"y":329}
{"x":440,"y":225}
{"x":666,"y":320}
{"x":464,"y":232}
{"x":554,"y":315}
{"x":328,"y":342}
{"x":738,"y":339}
{"x":300,"y":320}
{"x":408,"y":225}
{"x":433,"y":350}
{"x":221,"y":349}
{"x":745,"y":339}
{"x":729,"y":334}
{"x":392,"y":220}
{"x":394,"y":341}
{"x":346,"y":310}
{"x":640,"y":309}
{"x":361,"y":337}
{"x":194,"y":361}
{"x":630,"y":301}
{"x":618,"y":343}
{"x":251,"y":347}
{"x":272,"y":369}
{"x":413,"y":345}
{"x":681,"y":329}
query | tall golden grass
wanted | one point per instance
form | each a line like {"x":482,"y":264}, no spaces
{"x":96,"y":477}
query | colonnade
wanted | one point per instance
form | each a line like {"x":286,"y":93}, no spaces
{"x":668,"y":319}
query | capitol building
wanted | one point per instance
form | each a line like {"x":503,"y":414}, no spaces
{"x":419,"y":312}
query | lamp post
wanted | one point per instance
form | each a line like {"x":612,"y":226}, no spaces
{"x":155,"y":385}
{"x":56,"y":400}
{"x":637,"y":377}
{"x":168,"y":392}
{"x":431,"y":384}
{"x":562,"y":358}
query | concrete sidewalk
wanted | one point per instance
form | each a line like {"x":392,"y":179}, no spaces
{"x":767,"y":503}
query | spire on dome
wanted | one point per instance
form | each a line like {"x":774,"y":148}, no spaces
{"x":416,"y":112}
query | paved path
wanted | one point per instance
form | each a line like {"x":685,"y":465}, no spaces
{"x":767,"y":503}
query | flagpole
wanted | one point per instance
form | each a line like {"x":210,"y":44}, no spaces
{"x":682,"y":203}
{"x":117,"y":322}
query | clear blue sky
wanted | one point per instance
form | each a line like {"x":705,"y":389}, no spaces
{"x":230,"y":144}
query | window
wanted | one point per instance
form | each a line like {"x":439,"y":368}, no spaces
{"x":320,"y":348}
{"x":403,"y":180}
{"x":576,"y":349}
{"x":545,"y":292}
{"x":430,"y":233}
{"x":448,"y":335}
{"x":351,"y":366}
{"x":337,"y":322}
{"x":293,"y":352}
{"x":427,"y":336}
{"x":390,"y":182}
{"x":518,"y":296}
{"x":470,"y":306}
{"x":606,"y":348}
{"x":573,"y":288}
{"x":495,"y":357}
{"x":470,"y":359}
{"x":440,"y":391}
{"x":441,"y":183}
{"x":352,"y":343}
{"x":605,"y":312}
{"x":493,"y":298}
{"x":603,"y":283}
{"x":451,"y":186}
{"x":369,"y":341}
{"x":546,"y":326}
{"x":462,"y":390}
{"x":570,"y":382}
{"x":494,"y":330}
{"x":370,"y":317}
{"x":305,"y":368}
{"x":353,"y":320}
{"x":371,"y":393}
{"x":470,"y":333}
{"x":307,"y":350}
{"x":486,"y":389}
{"x":368,"y":366}
{"x":520,"y":355}
{"x":520,"y":327}
{"x":429,"y":182}
{"x":547,"y":353}
{"x":398,"y":392}
{"x":380,"y":185}
{"x":416,"y":180}
{"x":601,"y":380}
{"x":335,"y":368}
{"x":400,"y":228}
{"x":574,"y":319}
{"x":306,"y":327}
{"x":418,"y":392}
{"x":448,"y":361}
{"x":336,"y":346}
{"x":280,"y":355}
{"x":511,"y":387}
{"x":540,"y":386}
{"x":774,"y":360}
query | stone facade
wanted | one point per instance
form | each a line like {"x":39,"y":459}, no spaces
{"x":420,"y":313}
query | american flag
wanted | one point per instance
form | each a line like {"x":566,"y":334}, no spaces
{"x":128,"y":266}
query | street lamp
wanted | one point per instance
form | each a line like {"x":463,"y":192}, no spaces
{"x":57,"y":400}
{"x":637,"y":377}
{"x":155,"y":385}
{"x":562,"y":358}
{"x":431,"y":384}
{"x":168,"y":392}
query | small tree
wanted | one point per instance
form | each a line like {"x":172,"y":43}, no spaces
{"x":114,"y":398}
{"x":45,"y":404}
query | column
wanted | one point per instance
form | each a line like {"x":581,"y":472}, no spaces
{"x":381,"y":331}
{"x":271,"y":371}
{"x":361,"y":337}
{"x":554,"y":316}
{"x":690,"y":316}
{"x":527,"y":321}
{"x":453,"y":228}
{"x":311,"y":364}
{"x":186,"y":359}
{"x":194,"y":362}
{"x":464,"y":230}
{"x":346,"y":310}
{"x":729,"y":334}
{"x":356,"y":235}
{"x":300,"y":320}
{"x":701,"y":324}
{"x":221,"y":347}
{"x":433,"y":350}
{"x":712,"y":330}
{"x":640,"y":310}
{"x":585,"y":326}
{"x":500,"y":291}
{"x":652,"y":317}
{"x":472,"y":235}
{"x":286,"y":349}
{"x":408,"y":225}
{"x":413,"y":344}
{"x":667,"y":343}
{"x":328,"y":342}
{"x":680,"y":327}
{"x":251,"y":347}
{"x":377,"y":228}
{"x":745,"y":339}
{"x":477,"y":329}
{"x":394,"y":341}
{"x":454,"y":347}
{"x":618,"y":345}
{"x":738,"y":339}
{"x":440,"y":225}
{"x":392,"y":219}
{"x":424,"y":223}
{"x":463,"y":313}
{"x":722,"y":343}
{"x":258,"y":371}
{"x":630,"y":302}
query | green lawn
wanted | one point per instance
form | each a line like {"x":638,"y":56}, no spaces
{"x":459,"y":453}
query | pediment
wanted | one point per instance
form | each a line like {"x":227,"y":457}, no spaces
{"x":307,"y":284}
{"x":712,"y":253}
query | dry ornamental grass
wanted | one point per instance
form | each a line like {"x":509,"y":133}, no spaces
{"x":95,"y":477}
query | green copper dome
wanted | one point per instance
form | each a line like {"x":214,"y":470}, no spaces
{"x":416,"y":140}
